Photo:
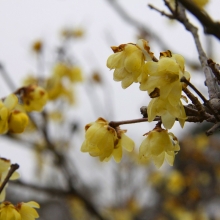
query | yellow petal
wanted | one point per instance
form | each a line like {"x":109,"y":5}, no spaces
{"x":127,"y":143}
{"x":127,"y":81}
{"x":115,"y":60}
{"x":159,"y":160}
{"x":144,"y":150}
{"x":168,"y":120}
{"x":11,"y":101}
{"x":170,"y":158}
{"x":120,"y":74}
{"x":117,"y":154}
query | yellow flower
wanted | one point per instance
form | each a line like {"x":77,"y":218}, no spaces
{"x":18,"y":121}
{"x":9,"y":212}
{"x":103,"y":141}
{"x":4,"y":168}
{"x":128,"y":61}
{"x":73,"y":73}
{"x":34,"y":98}
{"x":5,"y":109}
{"x":27,"y":210}
{"x":158,"y":145}
{"x":168,"y":112}
{"x":165,"y":75}
{"x":162,"y":81}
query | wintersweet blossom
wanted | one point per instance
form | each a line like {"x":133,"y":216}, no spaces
{"x":27,"y":210}
{"x":9,"y":212}
{"x":165,"y":75}
{"x":104,"y":141}
{"x":6,"y":107}
{"x":34,"y":98}
{"x":73,"y":73}
{"x":4,"y":168}
{"x":128,"y":60}
{"x":159,"y":145}
{"x":168,"y":112}
{"x":17,"y":121}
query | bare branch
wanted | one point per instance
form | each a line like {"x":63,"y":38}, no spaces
{"x":210,"y":26}
{"x":13,"y":168}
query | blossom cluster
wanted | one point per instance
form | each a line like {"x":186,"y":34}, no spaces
{"x":14,"y":108}
{"x":161,"y":78}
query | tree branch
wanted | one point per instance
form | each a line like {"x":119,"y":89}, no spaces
{"x":210,"y":26}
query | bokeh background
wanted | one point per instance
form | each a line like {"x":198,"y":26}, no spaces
{"x":130,"y":190}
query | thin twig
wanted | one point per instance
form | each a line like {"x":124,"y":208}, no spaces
{"x":210,"y":26}
{"x":210,"y":80}
{"x":10,"y":172}
{"x":163,"y":13}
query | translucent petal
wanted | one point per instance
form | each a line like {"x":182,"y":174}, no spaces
{"x":85,"y":147}
{"x":180,"y":60}
{"x":170,"y":158}
{"x":150,"y":84}
{"x":165,"y":91}
{"x":117,"y":154}
{"x":120,"y":74}
{"x":127,"y":81}
{"x":11,"y":101}
{"x":27,"y":212}
{"x":107,"y":146}
{"x":116,"y":60}
{"x":33,"y":204}
{"x":151,"y":110}
{"x":144,"y":150}
{"x":127,"y":143}
{"x":175,"y":94}
{"x":134,"y":61}
{"x":167,"y":65}
{"x":168,"y":120}
{"x":187,"y":75}
{"x":158,"y":160}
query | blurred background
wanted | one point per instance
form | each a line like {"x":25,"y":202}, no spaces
{"x":40,"y":39}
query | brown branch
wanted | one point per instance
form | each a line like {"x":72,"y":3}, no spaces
{"x":215,"y":69}
{"x":10,"y":172}
{"x":213,"y":129}
{"x":210,"y":26}
{"x":163,"y":13}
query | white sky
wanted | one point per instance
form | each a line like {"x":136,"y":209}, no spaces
{"x":23,"y":21}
